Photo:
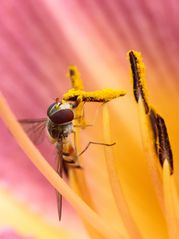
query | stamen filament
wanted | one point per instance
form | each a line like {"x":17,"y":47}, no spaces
{"x":170,"y":212}
{"x":175,"y":197}
{"x":149,"y":148}
{"x":78,"y":183}
{"x":122,"y":205}
{"x":32,"y":224}
{"x":43,"y":166}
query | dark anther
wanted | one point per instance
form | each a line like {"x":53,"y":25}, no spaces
{"x":162,"y":144}
{"x":137,"y":86}
{"x":133,"y":61}
{"x":165,"y":151}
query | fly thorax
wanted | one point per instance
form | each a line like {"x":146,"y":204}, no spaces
{"x":58,"y":131}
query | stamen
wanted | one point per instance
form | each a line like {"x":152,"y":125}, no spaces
{"x":77,"y":181}
{"x":161,"y":139}
{"x":33,"y":224}
{"x":122,"y":205}
{"x":80,"y":97}
{"x":75,"y":78}
{"x":77,"y":85}
{"x":158,"y":149}
{"x":148,"y":123}
{"x":37,"y":159}
{"x":174,"y":192}
{"x":153,"y":120}
{"x":137,"y":68}
{"x":164,"y":149}
{"x":170,"y":209}
{"x":103,"y":95}
{"x":77,"y":177}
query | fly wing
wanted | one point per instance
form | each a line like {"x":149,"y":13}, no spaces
{"x":35,"y":128}
{"x":59,"y":169}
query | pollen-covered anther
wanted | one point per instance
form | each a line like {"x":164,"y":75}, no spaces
{"x":103,"y":95}
{"x":75,"y":78}
{"x":165,"y":152}
{"x":161,"y":139}
{"x":138,"y":76}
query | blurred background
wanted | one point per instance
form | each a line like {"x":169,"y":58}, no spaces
{"x":39,"y":39}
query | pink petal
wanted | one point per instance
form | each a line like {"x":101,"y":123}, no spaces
{"x":10,"y":234}
{"x":39,"y":41}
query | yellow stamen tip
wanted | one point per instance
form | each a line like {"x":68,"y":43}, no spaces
{"x":75,"y":78}
{"x":103,"y":95}
{"x":138,"y":77}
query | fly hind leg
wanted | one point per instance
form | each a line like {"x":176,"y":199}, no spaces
{"x":91,"y":143}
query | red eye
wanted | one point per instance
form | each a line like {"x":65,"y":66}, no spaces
{"x":51,"y":108}
{"x":62,"y":116}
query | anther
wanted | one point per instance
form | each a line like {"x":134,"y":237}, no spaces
{"x":162,"y":143}
{"x":164,"y":148}
{"x":138,"y":87}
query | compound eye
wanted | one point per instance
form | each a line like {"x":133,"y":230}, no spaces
{"x":62,"y":116}
{"x":50,"y":109}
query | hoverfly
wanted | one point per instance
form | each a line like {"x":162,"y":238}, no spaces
{"x":59,"y":124}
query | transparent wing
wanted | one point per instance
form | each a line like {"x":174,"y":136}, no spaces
{"x":59,"y":169}
{"x":35,"y":128}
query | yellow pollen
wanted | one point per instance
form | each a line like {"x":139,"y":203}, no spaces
{"x":74,"y":76}
{"x":103,"y":95}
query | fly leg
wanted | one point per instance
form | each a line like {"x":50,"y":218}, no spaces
{"x":90,"y":143}
{"x":71,"y":160}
